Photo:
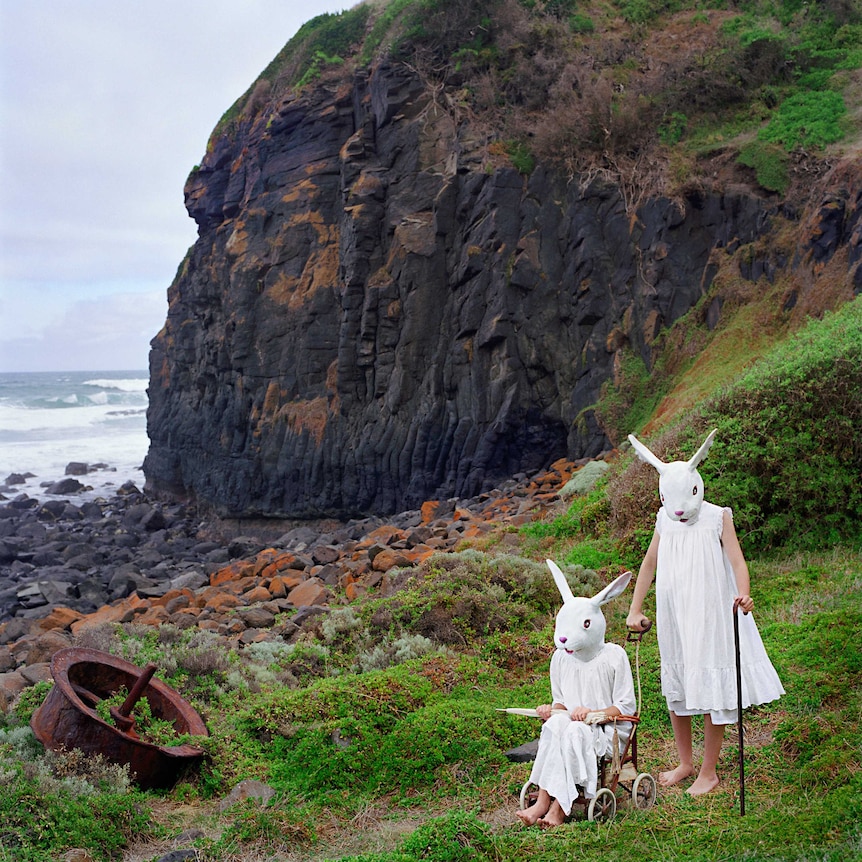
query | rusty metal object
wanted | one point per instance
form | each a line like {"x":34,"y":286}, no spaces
{"x":122,"y":715}
{"x":68,"y":718}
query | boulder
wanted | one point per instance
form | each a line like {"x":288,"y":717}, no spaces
{"x":310,"y":592}
{"x":65,"y":486}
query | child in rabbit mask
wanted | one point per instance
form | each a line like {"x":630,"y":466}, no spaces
{"x":587,"y":676}
{"x":701,"y":575}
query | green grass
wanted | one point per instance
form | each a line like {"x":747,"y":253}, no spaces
{"x":808,"y":119}
{"x":50,"y":803}
{"x":788,"y":430}
{"x":769,"y":162}
{"x":421,"y":742}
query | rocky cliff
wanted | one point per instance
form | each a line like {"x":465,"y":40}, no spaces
{"x":380,"y":311}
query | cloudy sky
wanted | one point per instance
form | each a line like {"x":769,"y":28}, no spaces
{"x":105,"y":106}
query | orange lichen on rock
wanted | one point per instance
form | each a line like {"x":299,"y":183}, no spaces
{"x":170,"y":595}
{"x":321,"y":271}
{"x":275,"y":562}
{"x":237,"y":243}
{"x":307,"y":417}
{"x":60,"y":618}
{"x":429,"y":510}
{"x":222,"y":601}
{"x":154,"y":616}
{"x":272,"y":399}
{"x":232,"y":572}
{"x":257,"y":594}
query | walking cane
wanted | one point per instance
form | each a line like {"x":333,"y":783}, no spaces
{"x":739,"y":707}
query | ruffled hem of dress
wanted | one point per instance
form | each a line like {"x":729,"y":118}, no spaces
{"x":715,"y":688}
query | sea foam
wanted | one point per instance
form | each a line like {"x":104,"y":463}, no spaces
{"x":50,"y":420}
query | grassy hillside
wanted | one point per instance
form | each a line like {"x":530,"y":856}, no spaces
{"x":378,"y":730}
{"x":406,"y":762}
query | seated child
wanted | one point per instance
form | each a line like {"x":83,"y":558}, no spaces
{"x":587,"y":676}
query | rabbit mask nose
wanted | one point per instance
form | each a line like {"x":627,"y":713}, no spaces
{"x":563,"y":640}
{"x":679,"y":513}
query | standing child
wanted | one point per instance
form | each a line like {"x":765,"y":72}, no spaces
{"x":700,"y":575}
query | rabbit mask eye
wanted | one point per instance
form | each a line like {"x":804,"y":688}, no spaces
{"x":587,"y":623}
{"x":694,"y":491}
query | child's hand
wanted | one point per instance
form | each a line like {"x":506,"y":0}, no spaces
{"x":544,"y":711}
{"x":579,"y":713}
{"x":637,"y":622}
{"x":746,"y":603}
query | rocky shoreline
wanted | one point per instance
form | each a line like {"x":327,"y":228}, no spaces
{"x":130,"y":559}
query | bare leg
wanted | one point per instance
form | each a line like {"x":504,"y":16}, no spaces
{"x":530,"y":816}
{"x":555,"y":816}
{"x":682,"y":737}
{"x":707,"y":779}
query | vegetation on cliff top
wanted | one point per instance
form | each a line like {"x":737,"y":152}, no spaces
{"x":648,"y":90}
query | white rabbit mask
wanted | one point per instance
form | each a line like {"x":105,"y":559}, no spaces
{"x":580,"y":626}
{"x":680,"y":486}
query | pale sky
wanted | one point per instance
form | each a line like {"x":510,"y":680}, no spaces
{"x":105,"y":107}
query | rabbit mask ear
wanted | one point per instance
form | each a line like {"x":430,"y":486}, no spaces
{"x":646,"y":455}
{"x":580,"y":626}
{"x":701,"y":453}
{"x":612,"y":590}
{"x":561,"y":582}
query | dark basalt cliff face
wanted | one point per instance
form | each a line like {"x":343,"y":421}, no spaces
{"x":373,"y":317}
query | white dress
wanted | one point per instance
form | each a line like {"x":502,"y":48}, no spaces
{"x":569,"y":750}
{"x":695,"y":589}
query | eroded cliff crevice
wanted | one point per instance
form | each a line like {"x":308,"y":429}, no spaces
{"x":376,"y":314}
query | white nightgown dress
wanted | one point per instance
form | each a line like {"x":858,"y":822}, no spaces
{"x":568,"y":750}
{"x":695,"y":589}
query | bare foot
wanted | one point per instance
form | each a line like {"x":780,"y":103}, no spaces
{"x":674,"y":776}
{"x":530,"y":816}
{"x":703,"y":785}
{"x":555,"y":817}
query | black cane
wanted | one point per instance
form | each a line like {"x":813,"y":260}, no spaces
{"x":739,"y":708}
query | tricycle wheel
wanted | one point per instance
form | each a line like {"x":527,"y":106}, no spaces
{"x":644,"y":791}
{"x":603,"y":806}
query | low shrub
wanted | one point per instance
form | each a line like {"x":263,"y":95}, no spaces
{"x":770,"y":164}
{"x":809,"y":119}
{"x":459,"y":599}
{"x":403,"y":726}
{"x":458,"y":836}
{"x":54,"y":801}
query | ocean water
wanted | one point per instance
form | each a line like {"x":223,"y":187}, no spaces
{"x":48,"y":420}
